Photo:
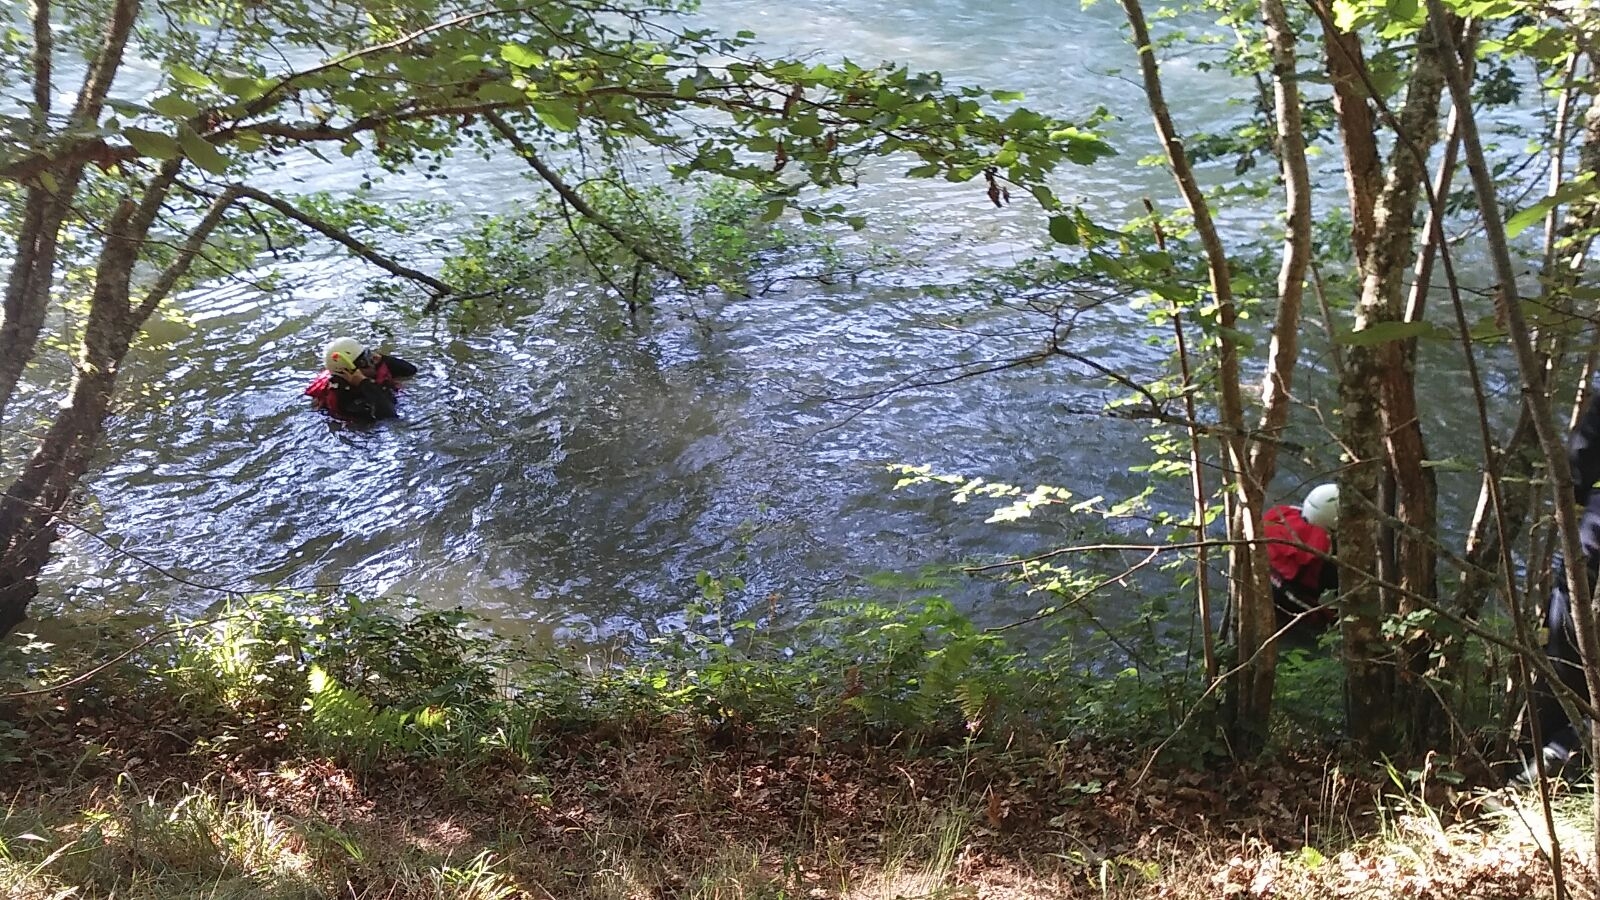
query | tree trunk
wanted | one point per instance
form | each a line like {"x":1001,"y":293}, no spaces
{"x":33,"y":267}
{"x":1249,"y":700}
{"x":1567,"y":248}
{"x":31,"y":502}
{"x":1528,"y":364}
{"x":1363,"y":165}
{"x":1381,"y":418}
{"x":1405,"y":450}
{"x":1278,"y":385}
{"x":27,"y":299}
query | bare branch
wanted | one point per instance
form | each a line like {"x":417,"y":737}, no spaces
{"x":198,"y":235}
{"x":338,"y":235}
{"x":572,"y":197}
{"x":76,"y":154}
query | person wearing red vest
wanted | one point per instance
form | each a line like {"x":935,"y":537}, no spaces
{"x":358,"y":383}
{"x":1300,"y":540}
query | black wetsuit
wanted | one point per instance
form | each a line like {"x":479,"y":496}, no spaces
{"x":374,"y":397}
{"x":1561,"y":648}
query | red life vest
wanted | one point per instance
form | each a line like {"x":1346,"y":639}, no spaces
{"x":322,"y":393}
{"x":1286,"y":529}
{"x":384,"y":377}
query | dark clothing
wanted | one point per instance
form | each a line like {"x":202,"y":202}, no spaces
{"x":373,"y":398}
{"x":1561,"y":647}
{"x":1583,"y":454}
{"x":393,"y":367}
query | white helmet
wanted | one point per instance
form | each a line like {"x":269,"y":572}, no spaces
{"x":341,"y":354}
{"x":1322,"y":506}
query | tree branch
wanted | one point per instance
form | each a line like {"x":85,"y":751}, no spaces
{"x":344,"y":238}
{"x":571,"y":196}
{"x":178,"y":268}
{"x":103,"y":70}
{"x":43,"y":56}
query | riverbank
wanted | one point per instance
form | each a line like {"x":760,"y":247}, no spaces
{"x":361,"y":754}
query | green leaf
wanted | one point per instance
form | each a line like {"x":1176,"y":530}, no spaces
{"x":129,"y":109}
{"x":201,"y":152}
{"x":1064,"y":230}
{"x":245,"y":87}
{"x":501,"y":92}
{"x":174,"y":107}
{"x":1383,"y":332}
{"x":1006,"y":96}
{"x":518,"y":55}
{"x":1240,"y":339}
{"x":1402,"y":10}
{"x":557,"y":114}
{"x":248,"y":141}
{"x":1347,"y":14}
{"x":153,"y":144}
{"x":188,"y":77}
{"x":806,"y":126}
{"x":1566,"y":193}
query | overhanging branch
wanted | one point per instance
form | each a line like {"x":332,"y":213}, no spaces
{"x":439,"y":289}
{"x":576,"y":201}
{"x":191,"y":248}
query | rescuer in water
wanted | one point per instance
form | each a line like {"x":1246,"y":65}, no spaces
{"x":358,"y":383}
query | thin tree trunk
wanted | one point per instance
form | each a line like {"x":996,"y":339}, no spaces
{"x":1381,"y":415}
{"x":49,"y":200}
{"x":1566,"y":256}
{"x":1363,"y":164}
{"x":1369,"y":670}
{"x":1415,"y":488}
{"x":27,"y":298}
{"x":1278,"y":384}
{"x":1528,"y":364}
{"x":32,"y":500}
{"x":1250,"y":591}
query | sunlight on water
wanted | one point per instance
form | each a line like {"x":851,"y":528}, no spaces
{"x":558,"y":476}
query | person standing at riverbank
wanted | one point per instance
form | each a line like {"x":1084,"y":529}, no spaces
{"x":1301,"y":540}
{"x":358,"y":383}
{"x":1560,"y":736}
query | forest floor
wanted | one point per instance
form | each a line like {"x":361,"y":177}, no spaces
{"x":138,"y":797}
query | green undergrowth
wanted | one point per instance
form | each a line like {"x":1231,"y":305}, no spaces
{"x":295,"y":747}
{"x":365,"y":681}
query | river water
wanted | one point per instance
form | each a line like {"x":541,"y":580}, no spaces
{"x":566,"y":475}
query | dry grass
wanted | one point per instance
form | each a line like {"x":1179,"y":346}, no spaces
{"x":303,"y":829}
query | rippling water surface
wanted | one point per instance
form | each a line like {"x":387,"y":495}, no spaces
{"x":567,"y":475}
